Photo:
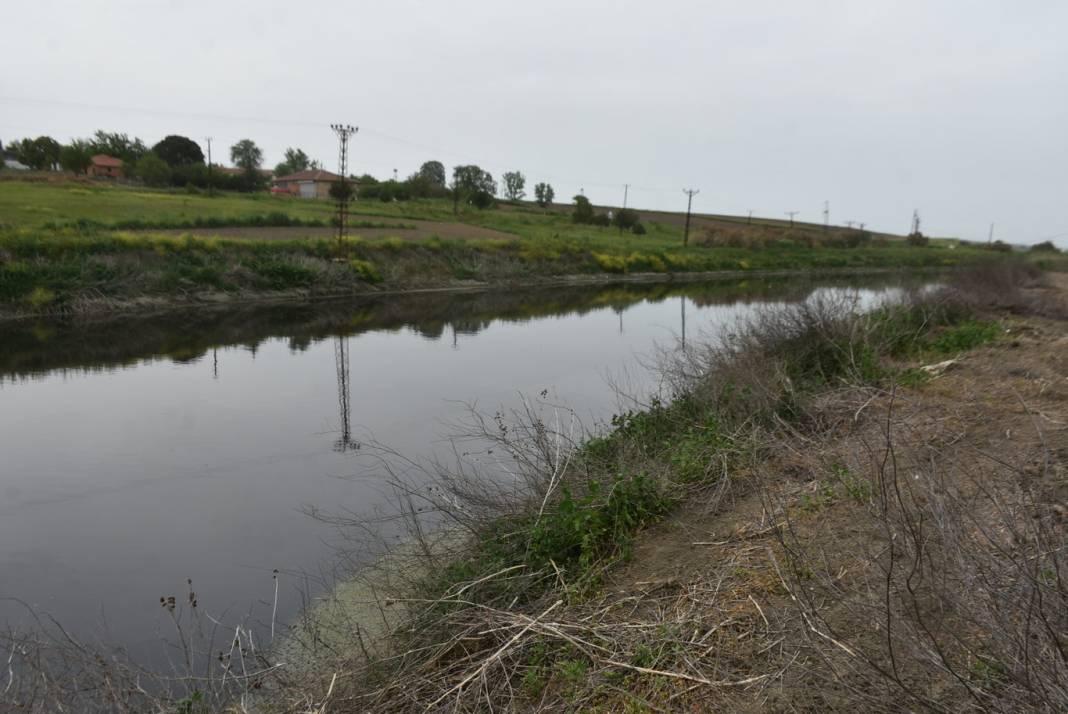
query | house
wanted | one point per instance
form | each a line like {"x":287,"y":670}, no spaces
{"x":104,"y":166}
{"x":267,"y":174}
{"x":312,"y":183}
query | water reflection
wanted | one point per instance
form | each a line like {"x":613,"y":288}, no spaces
{"x":31,"y":348}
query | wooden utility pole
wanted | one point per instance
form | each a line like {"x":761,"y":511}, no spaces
{"x":690,"y":193}
{"x":626,"y":190}
{"x":211,"y":183}
{"x":791,"y":214}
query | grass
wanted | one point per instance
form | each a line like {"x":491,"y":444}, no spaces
{"x":87,"y":243}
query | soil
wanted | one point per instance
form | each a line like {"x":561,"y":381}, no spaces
{"x":419,"y":230}
{"x":999,"y":412}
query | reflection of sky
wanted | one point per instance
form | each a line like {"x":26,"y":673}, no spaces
{"x":117,"y":485}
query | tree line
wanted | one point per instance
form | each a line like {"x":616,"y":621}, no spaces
{"x":173,"y":161}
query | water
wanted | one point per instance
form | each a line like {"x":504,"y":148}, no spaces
{"x":138,"y":452}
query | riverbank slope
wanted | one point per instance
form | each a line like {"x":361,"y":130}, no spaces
{"x":836,"y":511}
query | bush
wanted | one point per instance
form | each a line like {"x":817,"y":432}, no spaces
{"x":365,"y":270}
{"x":1045,"y":247}
{"x":917,"y":239}
{"x":638,"y":229}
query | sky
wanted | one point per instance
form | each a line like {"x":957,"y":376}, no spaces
{"x":957,"y":109}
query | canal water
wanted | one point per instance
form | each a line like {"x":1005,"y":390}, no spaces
{"x":142,"y":452}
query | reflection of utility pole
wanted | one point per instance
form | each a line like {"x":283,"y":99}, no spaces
{"x":791,"y":214}
{"x":682,"y":304}
{"x":341,"y":359}
{"x":690,"y":193}
{"x":215,"y":363}
{"x":454,"y":345}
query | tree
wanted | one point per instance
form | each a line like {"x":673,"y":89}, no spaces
{"x":179,"y":151}
{"x":625,"y":219}
{"x":153,"y":170}
{"x":433,"y":172}
{"x":76,"y":156}
{"x":514,"y":182}
{"x":583,"y":212}
{"x":247,"y":156}
{"x":118,"y":145}
{"x":41,"y":154}
{"x":544,"y":194}
{"x":294,"y":160}
{"x":473,"y":185}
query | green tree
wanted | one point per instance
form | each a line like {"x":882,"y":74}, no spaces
{"x":247,"y":156}
{"x":179,"y":151}
{"x":118,"y":145}
{"x":153,"y":170}
{"x":40,"y":154}
{"x":293,"y":161}
{"x":583,"y":212}
{"x":473,"y":185}
{"x":514,"y":182}
{"x":76,"y":156}
{"x":544,"y":194}
{"x":625,"y":219}
{"x":433,"y":172}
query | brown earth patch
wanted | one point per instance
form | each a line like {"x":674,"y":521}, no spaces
{"x":413,"y":230}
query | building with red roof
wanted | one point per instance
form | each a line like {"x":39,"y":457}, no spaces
{"x":104,"y":166}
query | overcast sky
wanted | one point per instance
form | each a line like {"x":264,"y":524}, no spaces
{"x":958,"y":109}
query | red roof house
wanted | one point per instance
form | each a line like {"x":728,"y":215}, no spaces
{"x":104,"y":166}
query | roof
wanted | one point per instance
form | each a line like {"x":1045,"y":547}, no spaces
{"x":310,"y":175}
{"x":237,"y":171}
{"x":106,"y":161}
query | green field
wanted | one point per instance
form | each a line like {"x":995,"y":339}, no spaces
{"x":77,"y":246}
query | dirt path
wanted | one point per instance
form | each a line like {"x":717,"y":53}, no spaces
{"x":414,"y":230}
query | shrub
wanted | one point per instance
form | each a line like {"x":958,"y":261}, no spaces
{"x":917,"y":239}
{"x":365,"y":270}
{"x":1045,"y":247}
{"x":638,"y":229}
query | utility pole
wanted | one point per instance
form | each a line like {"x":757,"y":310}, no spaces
{"x":990,"y":236}
{"x":343,"y":131}
{"x":211,"y":184}
{"x":749,"y":221}
{"x":626,"y":190}
{"x":849,"y":224}
{"x":826,"y":215}
{"x":690,"y":193}
{"x":915,"y":222}
{"x":791,"y":214}
{"x":394,"y":175}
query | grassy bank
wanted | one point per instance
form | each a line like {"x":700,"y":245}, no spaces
{"x":83,"y":269}
{"x":85,"y":247}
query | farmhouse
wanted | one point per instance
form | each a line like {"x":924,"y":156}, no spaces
{"x":104,"y":166}
{"x":312,"y":183}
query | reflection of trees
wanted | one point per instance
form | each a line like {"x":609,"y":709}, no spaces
{"x":187,"y":335}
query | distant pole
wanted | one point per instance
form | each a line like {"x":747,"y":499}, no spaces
{"x":690,"y":193}
{"x":915,"y":222}
{"x":749,"y":220}
{"x":849,"y":224}
{"x":826,"y":215}
{"x":343,"y":131}
{"x":394,"y":175}
{"x":211,"y":184}
{"x":990,"y":236}
{"x":626,"y":190}
{"x":791,"y":214}
{"x":862,"y":226}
